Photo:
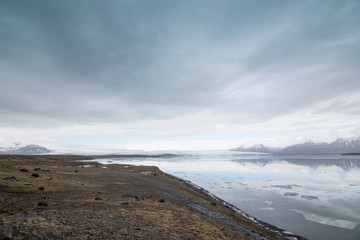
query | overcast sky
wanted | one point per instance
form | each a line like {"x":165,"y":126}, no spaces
{"x":178,"y":74}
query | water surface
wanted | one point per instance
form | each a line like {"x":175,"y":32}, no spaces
{"x":317,"y":196}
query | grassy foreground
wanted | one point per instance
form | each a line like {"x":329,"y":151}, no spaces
{"x":57,"y":197}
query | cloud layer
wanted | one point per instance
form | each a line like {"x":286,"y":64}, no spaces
{"x":178,"y":67}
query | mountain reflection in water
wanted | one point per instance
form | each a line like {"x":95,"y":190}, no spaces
{"x":314,"y":161}
{"x":316,"y":196}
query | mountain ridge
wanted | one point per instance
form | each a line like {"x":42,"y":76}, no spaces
{"x":31,"y":149}
{"x":339,"y":146}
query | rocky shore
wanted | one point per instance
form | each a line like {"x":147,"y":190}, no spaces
{"x":59,"y":197}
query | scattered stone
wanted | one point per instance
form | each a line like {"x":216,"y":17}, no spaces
{"x":124,"y":203}
{"x":24,"y":170}
{"x":124,"y":232}
{"x":11,"y":179}
{"x":42,"y":204}
{"x":76,"y":171}
{"x":29,"y":237}
{"x":35,"y":175}
{"x":56,"y":234}
{"x":161,"y":200}
{"x":41,"y":188}
{"x":6,"y":232}
{"x":37,"y":169}
{"x":131,"y":196}
{"x":98,"y":198}
{"x":214,"y":204}
{"x":137,"y":228}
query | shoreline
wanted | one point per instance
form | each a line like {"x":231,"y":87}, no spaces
{"x":148,"y":203}
{"x":281,"y":233}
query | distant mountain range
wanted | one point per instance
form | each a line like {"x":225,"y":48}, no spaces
{"x":24,"y":150}
{"x":257,"y":148}
{"x":339,"y":146}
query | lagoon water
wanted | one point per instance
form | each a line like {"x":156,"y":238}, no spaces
{"x":315,"y":196}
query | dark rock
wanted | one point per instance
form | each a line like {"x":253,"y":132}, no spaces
{"x":161,"y":200}
{"x":137,"y":228}
{"x":124,"y":203}
{"x":98,"y":198}
{"x":37,"y":169}
{"x":42,"y":204}
{"x":131,"y":196}
{"x":76,"y":171}
{"x":11,"y":179}
{"x":24,"y":170}
{"x":35,"y":175}
{"x":41,"y":188}
{"x":214,"y":204}
{"x":29,"y":237}
{"x":6,"y":232}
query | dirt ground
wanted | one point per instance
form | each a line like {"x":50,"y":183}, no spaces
{"x":57,"y":197}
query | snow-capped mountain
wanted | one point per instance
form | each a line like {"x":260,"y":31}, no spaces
{"x":24,"y":150}
{"x":308,"y":147}
{"x":257,"y":148}
{"x":339,"y":146}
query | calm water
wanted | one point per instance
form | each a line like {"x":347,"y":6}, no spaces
{"x":317,"y":197}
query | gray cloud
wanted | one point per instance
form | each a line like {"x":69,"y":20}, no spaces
{"x":83,"y":62}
